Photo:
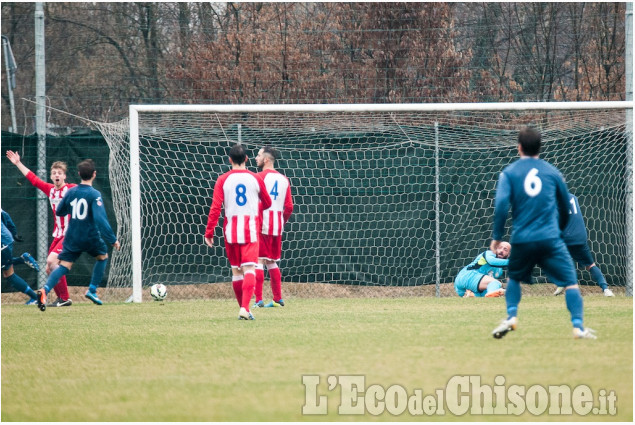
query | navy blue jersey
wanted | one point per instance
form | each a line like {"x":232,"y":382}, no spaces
{"x":88,"y":223}
{"x":7,"y":238}
{"x":8,"y":222}
{"x":575,"y":232}
{"x":539,"y":200}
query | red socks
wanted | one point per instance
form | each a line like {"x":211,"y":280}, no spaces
{"x":237,"y":283}
{"x":276,"y":281}
{"x":249,"y":284}
{"x":260,"y":279}
{"x":61,"y":289}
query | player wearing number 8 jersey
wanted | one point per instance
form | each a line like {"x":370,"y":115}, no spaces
{"x":539,"y":200}
{"x":87,"y":230}
{"x":241,"y":192}
{"x":273,"y":221}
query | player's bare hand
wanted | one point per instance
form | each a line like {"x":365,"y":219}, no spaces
{"x":14,"y":157}
{"x":209,"y":242}
{"x":494,"y":245}
{"x":117,"y":245}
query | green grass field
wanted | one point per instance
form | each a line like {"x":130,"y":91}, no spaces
{"x":194,"y":361}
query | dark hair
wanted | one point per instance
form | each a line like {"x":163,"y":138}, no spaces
{"x":273,"y":153}
{"x":237,"y":154}
{"x":86,"y":169}
{"x":529,"y":140}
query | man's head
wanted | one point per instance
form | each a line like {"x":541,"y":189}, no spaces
{"x":86,"y":169}
{"x":266,"y":157}
{"x":503,"y":250}
{"x":58,"y":173}
{"x":237,"y":154}
{"x":529,"y":141}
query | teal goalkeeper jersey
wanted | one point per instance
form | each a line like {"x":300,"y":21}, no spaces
{"x":488,"y":263}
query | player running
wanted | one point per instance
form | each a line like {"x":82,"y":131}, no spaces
{"x":539,"y":200}
{"x":273,"y":221}
{"x":240,"y":191}
{"x":25,"y":258}
{"x":9,"y":232}
{"x":575,"y":237}
{"x":87,"y":226}
{"x":480,"y":277}
{"x":55,"y":192}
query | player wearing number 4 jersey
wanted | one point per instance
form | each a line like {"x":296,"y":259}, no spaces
{"x":539,"y":200}
{"x":54,"y":192}
{"x":273,"y":221}
{"x":241,"y":192}
{"x":87,"y":230}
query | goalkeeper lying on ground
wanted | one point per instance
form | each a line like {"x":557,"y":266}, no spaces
{"x":480,"y":277}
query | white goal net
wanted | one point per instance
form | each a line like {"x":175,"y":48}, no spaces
{"x":387,"y":202}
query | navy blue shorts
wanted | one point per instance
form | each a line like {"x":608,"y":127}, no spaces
{"x":551,"y":255}
{"x":94,"y":248}
{"x":581,"y":254}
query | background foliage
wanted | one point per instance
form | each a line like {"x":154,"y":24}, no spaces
{"x":101,"y":57}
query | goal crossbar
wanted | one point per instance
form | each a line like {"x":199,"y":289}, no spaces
{"x":385,"y":107}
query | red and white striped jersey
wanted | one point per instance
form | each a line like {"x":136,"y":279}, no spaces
{"x":55,"y":196}
{"x":241,"y":192}
{"x":279,"y":189}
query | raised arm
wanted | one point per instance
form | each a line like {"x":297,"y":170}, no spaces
{"x":14,"y":157}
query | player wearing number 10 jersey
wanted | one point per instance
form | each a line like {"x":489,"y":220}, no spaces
{"x":539,"y":200}
{"x":241,"y":192}
{"x":87,"y":230}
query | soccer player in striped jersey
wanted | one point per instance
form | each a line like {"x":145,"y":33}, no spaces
{"x":8,"y":234}
{"x":480,"y":277}
{"x":273,"y":221}
{"x":539,"y":200}
{"x":575,"y":236}
{"x":242,"y":193}
{"x":54,"y":192}
{"x":87,"y":230}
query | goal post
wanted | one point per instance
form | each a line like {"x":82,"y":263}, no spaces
{"x":387,"y":195}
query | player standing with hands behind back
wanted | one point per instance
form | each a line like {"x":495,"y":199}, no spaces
{"x":240,"y":191}
{"x":540,"y":210}
{"x":273,"y":220}
{"x":86,"y":228}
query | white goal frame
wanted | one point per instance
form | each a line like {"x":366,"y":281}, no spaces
{"x":135,"y":184}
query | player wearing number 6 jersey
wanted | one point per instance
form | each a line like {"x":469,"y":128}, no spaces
{"x":87,"y":230}
{"x":241,"y":192}
{"x":273,"y":221}
{"x":539,"y":200}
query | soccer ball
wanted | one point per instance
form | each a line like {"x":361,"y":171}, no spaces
{"x":158,"y":291}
